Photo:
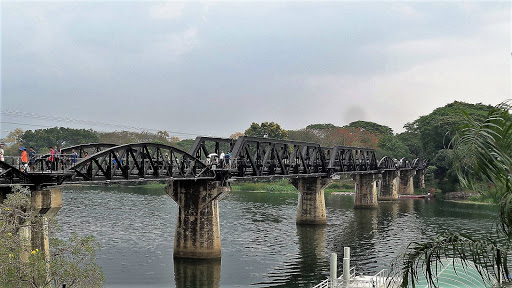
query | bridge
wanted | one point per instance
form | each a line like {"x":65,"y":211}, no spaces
{"x":197,"y":179}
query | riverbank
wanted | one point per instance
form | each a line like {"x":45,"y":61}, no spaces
{"x":284,"y":186}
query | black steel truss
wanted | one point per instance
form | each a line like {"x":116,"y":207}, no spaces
{"x":253,"y":156}
{"x":141,"y":160}
{"x":249,"y":157}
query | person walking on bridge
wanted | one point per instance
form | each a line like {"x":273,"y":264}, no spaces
{"x":74,"y":158}
{"x":51,"y":159}
{"x":31,"y":158}
{"x":24,"y":159}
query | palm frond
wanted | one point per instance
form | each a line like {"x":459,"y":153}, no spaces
{"x":488,"y":256}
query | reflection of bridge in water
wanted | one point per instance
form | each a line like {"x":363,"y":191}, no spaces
{"x":196,"y":183}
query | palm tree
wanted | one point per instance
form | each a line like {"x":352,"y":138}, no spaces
{"x":483,"y":151}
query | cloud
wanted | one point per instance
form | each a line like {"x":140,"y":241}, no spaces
{"x":407,"y":11}
{"x":167,"y":10}
{"x":471,"y":69}
{"x":171,"y":46}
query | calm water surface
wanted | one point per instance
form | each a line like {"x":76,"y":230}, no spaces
{"x":261,"y":244}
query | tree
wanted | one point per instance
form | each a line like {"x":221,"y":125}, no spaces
{"x":266,"y":129}
{"x":436,"y":130}
{"x":412,"y":141}
{"x":63,"y":137}
{"x":306,"y":135}
{"x":236,"y":135}
{"x":71,"y":261}
{"x":482,"y":149}
{"x":126,"y":137}
{"x":185,"y":144}
{"x":15,"y":136}
{"x":321,"y":126}
{"x":390,"y":145}
{"x":444,"y":161}
{"x":371,"y":127}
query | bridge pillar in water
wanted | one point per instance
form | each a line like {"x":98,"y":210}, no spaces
{"x":406,"y":182}
{"x":390,"y":185}
{"x":366,"y":190}
{"x":419,"y":178}
{"x":311,"y":206}
{"x":45,"y":203}
{"x":197,"y":233}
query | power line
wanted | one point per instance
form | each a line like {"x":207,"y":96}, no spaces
{"x":15,"y":123}
{"x":20,"y":114}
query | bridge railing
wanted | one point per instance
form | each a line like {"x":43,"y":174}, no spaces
{"x":43,"y":163}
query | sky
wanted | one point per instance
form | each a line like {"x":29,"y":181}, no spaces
{"x":212,"y":68}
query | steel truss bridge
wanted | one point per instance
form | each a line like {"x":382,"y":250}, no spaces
{"x":250,"y":158}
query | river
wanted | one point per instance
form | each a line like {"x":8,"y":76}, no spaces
{"x":261,"y":244}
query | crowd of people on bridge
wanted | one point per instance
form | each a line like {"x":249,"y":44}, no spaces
{"x":55,"y":160}
{"x":223,"y":160}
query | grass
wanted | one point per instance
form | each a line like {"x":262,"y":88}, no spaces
{"x":285,"y":186}
{"x":274,"y":186}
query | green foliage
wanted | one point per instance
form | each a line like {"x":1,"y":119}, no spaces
{"x":390,"y":145}
{"x":339,"y":185}
{"x":321,"y":126}
{"x":58,"y":136}
{"x":437,"y":129}
{"x":445,"y":173}
{"x":274,"y":186}
{"x":125,"y":137}
{"x":371,"y":127}
{"x":266,"y":129}
{"x":482,"y":153}
{"x":70,"y":262}
{"x":184,"y":144}
{"x":427,"y":256}
{"x":412,"y":141}
{"x":307,"y":135}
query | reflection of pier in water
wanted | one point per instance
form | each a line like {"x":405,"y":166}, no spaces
{"x":192,"y":273}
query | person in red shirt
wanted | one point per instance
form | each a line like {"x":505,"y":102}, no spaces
{"x":50,"y":163}
{"x":24,"y":159}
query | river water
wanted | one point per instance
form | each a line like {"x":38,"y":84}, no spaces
{"x":261,"y":244}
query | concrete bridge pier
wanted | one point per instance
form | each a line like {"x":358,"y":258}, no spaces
{"x":197,"y":233}
{"x":419,"y":179}
{"x":406,"y":182}
{"x":45,"y":204}
{"x":390,"y":185}
{"x":311,"y":206}
{"x":366,"y":190}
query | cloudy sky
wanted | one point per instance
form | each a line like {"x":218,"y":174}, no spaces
{"x":212,"y":68}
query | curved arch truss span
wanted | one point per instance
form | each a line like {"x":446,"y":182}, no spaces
{"x":141,"y":160}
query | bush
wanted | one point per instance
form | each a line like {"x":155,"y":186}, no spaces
{"x":71,"y":262}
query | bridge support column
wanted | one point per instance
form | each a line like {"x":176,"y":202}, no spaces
{"x":311,"y":206}
{"x":419,"y":179}
{"x":406,"y":182}
{"x":366,"y":190}
{"x":390,"y":185}
{"x":197,"y":229}
{"x":44,"y":204}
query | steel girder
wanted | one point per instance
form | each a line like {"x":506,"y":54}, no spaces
{"x":11,"y":175}
{"x":419,"y":164}
{"x":404,"y":164}
{"x":90,"y":148}
{"x":141,"y":160}
{"x":254,"y":156}
{"x":387,"y":163}
{"x":351,"y":159}
{"x":204,"y":146}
